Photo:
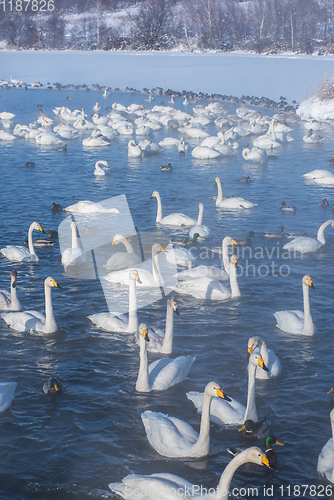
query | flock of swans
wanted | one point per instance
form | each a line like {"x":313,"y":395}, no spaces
{"x":168,"y":435}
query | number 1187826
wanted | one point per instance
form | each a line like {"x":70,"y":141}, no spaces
{"x":27,"y":5}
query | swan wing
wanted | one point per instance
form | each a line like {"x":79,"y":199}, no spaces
{"x":24,"y":321}
{"x":5,"y":300}
{"x":164,"y":373}
{"x":7,"y":390}
{"x":156,"y":337}
{"x":303,"y":244}
{"x":222,"y":412}
{"x":122,"y":276}
{"x":273,"y":365}
{"x":122,"y":260}
{"x":213,"y":272}
{"x":290,"y":321}
{"x":204,"y":288}
{"x":169,"y":436}
{"x":177,"y":219}
{"x":16,"y":253}
{"x":326,"y":460}
{"x":110,"y":322}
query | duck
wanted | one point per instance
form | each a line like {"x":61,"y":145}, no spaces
{"x":176,"y":219}
{"x":20,"y":253}
{"x":291,"y":236}
{"x":174,"y":438}
{"x":99,"y":171}
{"x":27,"y":321}
{"x":305,"y":244}
{"x":230,"y":203}
{"x":162,"y":341}
{"x":7,"y":390}
{"x":299,"y":322}
{"x":248,"y":238}
{"x":147,"y":279}
{"x":270,"y":453}
{"x":111,"y":322}
{"x":255,"y":430}
{"x":325,"y":464}
{"x":162,"y":373}
{"x":122,"y":260}
{"x":200,"y":228}
{"x":233,"y":413}
{"x":52,"y":386}
{"x":255,"y":154}
{"x":30,"y":164}
{"x":166,"y":168}
{"x":9,"y":301}
{"x":74,"y":254}
{"x":42,"y":242}
{"x":56,"y":208}
{"x":269,"y":357}
{"x":287,"y":208}
{"x":185,"y":240}
{"x":164,"y":485}
{"x":209,"y":288}
{"x":324,"y":203}
{"x":273,"y":234}
{"x":246,"y":179}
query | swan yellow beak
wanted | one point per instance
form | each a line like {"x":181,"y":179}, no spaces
{"x":54,"y":282}
{"x":331,"y":390}
{"x":234,"y":242}
{"x":136,"y":276}
{"x":310,"y":283}
{"x":40,"y":229}
{"x":145,"y":334}
{"x":261,"y":363}
{"x":221,"y":394}
{"x":250,"y":350}
{"x":265,"y":461}
{"x":152,"y":196}
{"x":161,"y":248}
{"x":235,"y":262}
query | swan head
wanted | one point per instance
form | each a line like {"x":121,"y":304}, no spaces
{"x":133,"y":275}
{"x":142,"y":330}
{"x":214,"y":390}
{"x":36,"y":226}
{"x":51,"y":282}
{"x":307,"y":280}
{"x":102,"y":162}
{"x":230,"y":241}
{"x":73,"y":224}
{"x":157,"y":248}
{"x":173,"y":303}
{"x":234,"y":261}
{"x":13,"y":278}
{"x":254,"y":455}
{"x":155,"y":194}
{"x":257,"y":360}
{"x":252,"y":343}
{"x":117,"y":239}
{"x":217,"y":181}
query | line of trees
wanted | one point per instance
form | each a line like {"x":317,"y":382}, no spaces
{"x":264,"y":26}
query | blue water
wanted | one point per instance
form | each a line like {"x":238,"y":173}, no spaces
{"x":72,"y":446}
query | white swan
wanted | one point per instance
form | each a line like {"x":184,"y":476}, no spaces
{"x":230,"y":203}
{"x":200,"y":228}
{"x":298,"y":321}
{"x":176,"y":219}
{"x":122,"y":260}
{"x":268,"y":140}
{"x":179,"y":256}
{"x":9,"y":301}
{"x":89,"y":207}
{"x":26,"y":321}
{"x":321,"y":177}
{"x":162,"y":341}
{"x":256,"y":155}
{"x":147,"y":279}
{"x":233,"y":412}
{"x":325,"y":464}
{"x":95,"y":140}
{"x":74,"y":254}
{"x":7,"y":390}
{"x":183,"y":146}
{"x":172,"y":437}
{"x":134,"y":151}
{"x":162,"y":373}
{"x":20,"y":253}
{"x":208,"y":288}
{"x":306,"y":244}
{"x":205,"y":153}
{"x":269,"y":357}
{"x":312,"y":138}
{"x":118,"y":323}
{"x":169,"y":142}
{"x":163,"y":486}
{"x":99,"y":171}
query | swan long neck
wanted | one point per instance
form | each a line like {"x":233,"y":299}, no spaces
{"x":226,"y":261}
{"x":167,"y":345}
{"x":159,"y":209}
{"x":142,"y":384}
{"x":127,"y":244}
{"x":308,"y":322}
{"x":202,"y":444}
{"x":30,"y":243}
{"x":74,"y":236}
{"x":14,"y":301}
{"x":250,"y":413}
{"x":244,"y":153}
{"x":133,"y":318}
{"x":200,"y":214}
{"x":233,"y":282}
{"x":50,"y":322}
{"x":220,"y":191}
{"x":321,"y":231}
{"x":227,"y":475}
{"x":155,"y":267}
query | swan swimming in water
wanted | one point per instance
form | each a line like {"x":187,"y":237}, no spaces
{"x":122,"y":260}
{"x":162,"y":486}
{"x":26,"y":321}
{"x":111,"y":322}
{"x":230,"y":203}
{"x":99,"y":171}
{"x":89,"y":207}
{"x":298,"y":321}
{"x":304,"y":244}
{"x":75,"y":253}
{"x":200,"y":228}
{"x":233,"y":412}
{"x":325,"y":464}
{"x":172,"y":437}
{"x":9,"y":301}
{"x":162,"y":373}
{"x":269,"y":358}
{"x":176,"y":219}
{"x":20,"y":253}
{"x":7,"y":390}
